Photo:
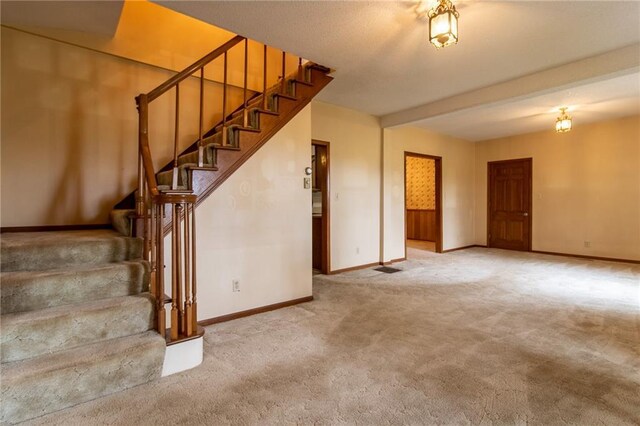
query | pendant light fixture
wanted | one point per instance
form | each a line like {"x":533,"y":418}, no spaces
{"x":563,"y":122}
{"x":443,"y":24}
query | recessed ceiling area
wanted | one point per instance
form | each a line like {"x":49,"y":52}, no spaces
{"x":603,"y":100}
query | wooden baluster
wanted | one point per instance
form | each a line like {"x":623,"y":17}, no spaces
{"x":152,"y":248}
{"x":159,"y":294}
{"x":141,"y":212}
{"x":175,"y":272}
{"x":142,"y":132}
{"x":224,"y":104}
{"x":283,"y":87}
{"x":188,"y":321}
{"x":147,"y":222}
{"x":194,"y":303}
{"x":179,"y":253}
{"x":200,"y":122}
{"x":174,"y":184}
{"x":245,"y":112}
{"x":141,"y":179}
{"x":265,"y":103}
{"x":300,"y":70}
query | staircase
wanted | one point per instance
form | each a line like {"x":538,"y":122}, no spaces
{"x":86,"y":313}
{"x":77,"y":320}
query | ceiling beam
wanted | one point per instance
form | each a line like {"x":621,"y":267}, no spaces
{"x":612,"y":64}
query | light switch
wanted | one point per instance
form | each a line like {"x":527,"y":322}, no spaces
{"x":307,"y":183}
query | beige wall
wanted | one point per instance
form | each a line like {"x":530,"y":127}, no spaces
{"x":586,"y":187}
{"x":457,"y":186}
{"x":355,"y":143}
{"x":152,"y":34}
{"x":256,"y":228}
{"x":69,"y":128}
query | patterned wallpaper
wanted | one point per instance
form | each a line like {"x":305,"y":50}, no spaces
{"x":421,"y":183}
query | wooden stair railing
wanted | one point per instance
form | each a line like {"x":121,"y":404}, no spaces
{"x":170,"y":207}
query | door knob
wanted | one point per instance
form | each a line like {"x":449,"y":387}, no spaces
{"x":525,"y":214}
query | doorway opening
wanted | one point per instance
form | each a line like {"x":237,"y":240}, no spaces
{"x":423,"y":202}
{"x":509,"y":200}
{"x":320,"y":206}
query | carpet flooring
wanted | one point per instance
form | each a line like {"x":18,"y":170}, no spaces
{"x":476,"y":336}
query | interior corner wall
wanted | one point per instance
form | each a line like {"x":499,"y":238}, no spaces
{"x":256,"y":228}
{"x":586,"y":187}
{"x":355,"y":176}
{"x":457,"y":186}
{"x":69,"y":128}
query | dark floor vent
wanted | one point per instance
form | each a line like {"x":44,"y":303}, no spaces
{"x":387,"y":270}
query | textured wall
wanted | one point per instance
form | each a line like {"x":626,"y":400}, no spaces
{"x":256,"y":228}
{"x":457,"y":186}
{"x":586,"y":187}
{"x":355,"y":174}
{"x":69,"y":128}
{"x":421,"y":183}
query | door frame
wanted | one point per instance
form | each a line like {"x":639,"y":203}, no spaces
{"x":488,"y":225}
{"x":326,"y":216}
{"x":438,"y":164}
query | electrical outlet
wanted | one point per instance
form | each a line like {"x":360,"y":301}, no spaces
{"x":587,"y":244}
{"x":235,"y":286}
{"x":357,"y":250}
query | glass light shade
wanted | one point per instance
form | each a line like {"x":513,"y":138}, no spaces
{"x":443,"y":25}
{"x":564,"y":122}
{"x":563,"y":125}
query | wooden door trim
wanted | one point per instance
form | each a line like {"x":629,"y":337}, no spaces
{"x":326,"y":199}
{"x":438,"y":164}
{"x":488,"y":224}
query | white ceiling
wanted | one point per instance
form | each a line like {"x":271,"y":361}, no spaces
{"x":384,"y":64}
{"x":587,"y":103}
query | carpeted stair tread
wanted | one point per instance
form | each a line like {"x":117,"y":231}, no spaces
{"x":30,"y":290}
{"x":121,"y":220}
{"x":32,"y":333}
{"x":32,"y":251}
{"x":51,"y":382}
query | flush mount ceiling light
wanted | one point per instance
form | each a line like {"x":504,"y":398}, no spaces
{"x":563,"y":122}
{"x":443,"y":24}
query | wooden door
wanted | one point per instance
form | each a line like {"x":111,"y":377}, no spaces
{"x":321,"y":221}
{"x":509,"y":205}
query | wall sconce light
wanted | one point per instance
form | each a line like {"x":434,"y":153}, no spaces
{"x":563,"y":122}
{"x":443,"y":24}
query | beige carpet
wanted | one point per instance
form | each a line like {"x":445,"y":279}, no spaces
{"x":472,"y":337}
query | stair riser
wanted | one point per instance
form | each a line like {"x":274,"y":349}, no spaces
{"x":24,"y":338}
{"x":33,"y":394}
{"x":28,"y":291}
{"x":35,"y":258}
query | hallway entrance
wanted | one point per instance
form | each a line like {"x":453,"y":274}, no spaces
{"x":423,"y":193}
